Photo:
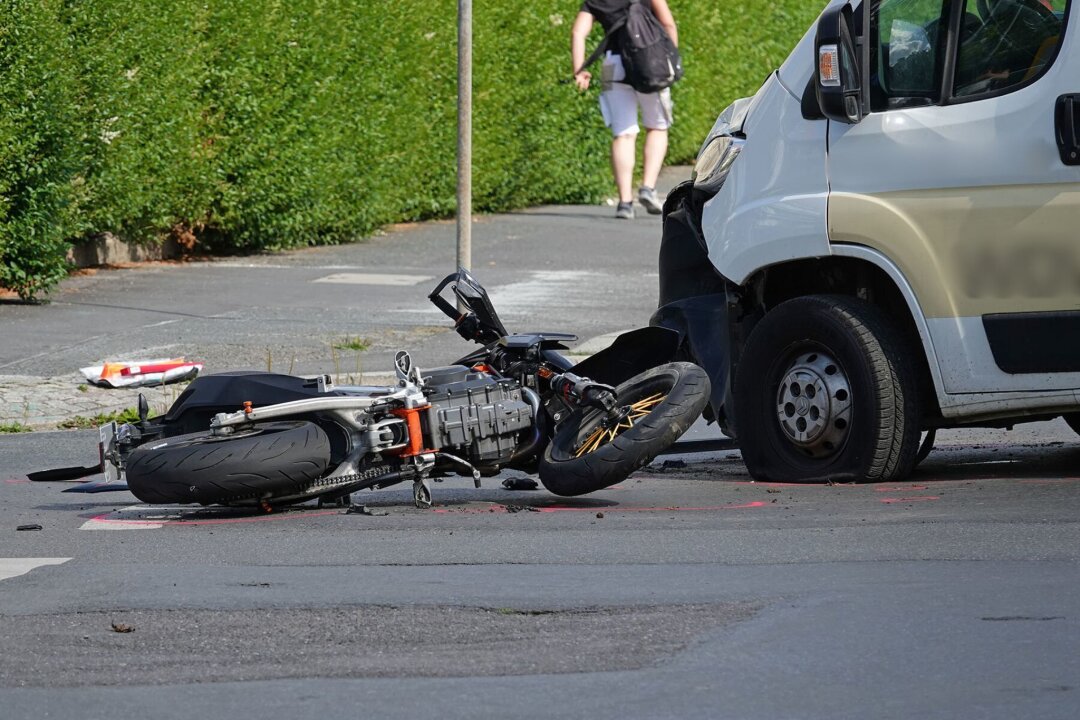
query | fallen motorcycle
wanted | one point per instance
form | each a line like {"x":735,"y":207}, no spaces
{"x":266,"y":439}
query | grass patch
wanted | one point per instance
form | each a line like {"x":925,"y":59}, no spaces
{"x":14,"y":427}
{"x":79,"y":422}
{"x":357,"y":344}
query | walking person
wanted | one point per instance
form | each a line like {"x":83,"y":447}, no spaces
{"x":619,"y":102}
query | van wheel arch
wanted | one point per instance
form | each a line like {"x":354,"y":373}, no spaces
{"x":835,"y":275}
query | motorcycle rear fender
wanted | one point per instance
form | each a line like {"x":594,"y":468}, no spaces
{"x":632,"y":353}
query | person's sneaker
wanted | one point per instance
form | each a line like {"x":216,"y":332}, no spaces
{"x":625,"y":211}
{"x":647,"y":197}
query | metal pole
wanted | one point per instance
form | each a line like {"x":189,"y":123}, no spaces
{"x":464,"y":147}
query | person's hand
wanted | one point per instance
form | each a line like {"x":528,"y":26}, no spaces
{"x":582,"y":80}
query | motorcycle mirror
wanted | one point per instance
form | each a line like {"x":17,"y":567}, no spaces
{"x":403,"y":364}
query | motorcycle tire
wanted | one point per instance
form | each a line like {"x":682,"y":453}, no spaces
{"x":663,"y":403}
{"x":274,"y":459}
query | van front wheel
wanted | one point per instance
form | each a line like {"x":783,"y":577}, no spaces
{"x":824,"y":391}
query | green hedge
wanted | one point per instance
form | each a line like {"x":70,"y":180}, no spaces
{"x":268,"y":124}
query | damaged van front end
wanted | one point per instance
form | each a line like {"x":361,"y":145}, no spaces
{"x":880,"y":243}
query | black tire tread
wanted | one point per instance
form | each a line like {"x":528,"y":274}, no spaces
{"x":896,"y":441}
{"x":282,"y":458}
{"x":633,"y":448}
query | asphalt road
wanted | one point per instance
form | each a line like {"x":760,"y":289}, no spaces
{"x":685,"y":592}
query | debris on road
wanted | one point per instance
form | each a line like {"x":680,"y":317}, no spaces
{"x":137,"y":373}
{"x":365,"y":510}
{"x":34,"y":526}
{"x":519,"y":484}
{"x":520,"y":508}
{"x":122,"y":628}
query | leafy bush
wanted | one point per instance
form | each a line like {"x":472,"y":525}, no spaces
{"x":265,"y":124}
{"x":37,"y":157}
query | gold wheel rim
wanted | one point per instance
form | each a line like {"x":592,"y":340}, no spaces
{"x":602,"y":435}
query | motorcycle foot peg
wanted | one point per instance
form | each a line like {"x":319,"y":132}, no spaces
{"x":421,"y":494}
{"x":476,"y":478}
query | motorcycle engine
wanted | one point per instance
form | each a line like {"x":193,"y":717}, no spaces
{"x":475,"y":415}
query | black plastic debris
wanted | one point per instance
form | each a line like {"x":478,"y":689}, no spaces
{"x":63,"y":474}
{"x":365,"y":510}
{"x":519,"y":484}
{"x":35,"y":526}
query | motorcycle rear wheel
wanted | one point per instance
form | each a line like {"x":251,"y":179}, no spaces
{"x":658,"y":406}
{"x":274,"y":459}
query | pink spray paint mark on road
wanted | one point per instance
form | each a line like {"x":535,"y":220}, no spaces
{"x":917,"y":498}
{"x":17,"y":481}
{"x":886,"y":488}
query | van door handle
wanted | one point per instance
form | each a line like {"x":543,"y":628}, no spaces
{"x":1066,"y":115}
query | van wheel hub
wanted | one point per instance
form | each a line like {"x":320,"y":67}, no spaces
{"x":813,"y":404}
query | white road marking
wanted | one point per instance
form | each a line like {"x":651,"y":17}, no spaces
{"x":549,"y":289}
{"x":13,"y":567}
{"x":133,"y":517}
{"x":373,"y":279}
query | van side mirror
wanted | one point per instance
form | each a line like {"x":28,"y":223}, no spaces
{"x":838,"y":82}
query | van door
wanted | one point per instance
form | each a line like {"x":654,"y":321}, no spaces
{"x":957,"y":176}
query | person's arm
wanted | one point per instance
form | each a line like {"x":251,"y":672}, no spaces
{"x":582,"y":27}
{"x":663,"y":13}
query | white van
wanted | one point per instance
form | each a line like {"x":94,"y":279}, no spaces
{"x":884,"y":239}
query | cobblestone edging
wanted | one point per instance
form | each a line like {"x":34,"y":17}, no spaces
{"x":42,"y":402}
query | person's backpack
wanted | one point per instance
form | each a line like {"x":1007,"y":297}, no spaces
{"x":649,"y":57}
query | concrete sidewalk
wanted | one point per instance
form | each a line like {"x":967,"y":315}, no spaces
{"x":554,"y":268}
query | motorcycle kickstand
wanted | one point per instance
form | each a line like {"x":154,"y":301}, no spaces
{"x":421,"y":493}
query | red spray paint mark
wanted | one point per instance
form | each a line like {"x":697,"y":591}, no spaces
{"x":886,"y":488}
{"x":104,"y":518}
{"x":917,"y":498}
{"x":17,"y":481}
{"x":496,"y":509}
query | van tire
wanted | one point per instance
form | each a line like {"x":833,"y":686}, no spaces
{"x":273,"y":459}
{"x":825,"y":391}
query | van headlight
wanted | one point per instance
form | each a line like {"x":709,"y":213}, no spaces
{"x":714,"y":161}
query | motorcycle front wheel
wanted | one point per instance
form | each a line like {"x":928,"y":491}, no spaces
{"x":592,"y":450}
{"x":274,"y":459}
